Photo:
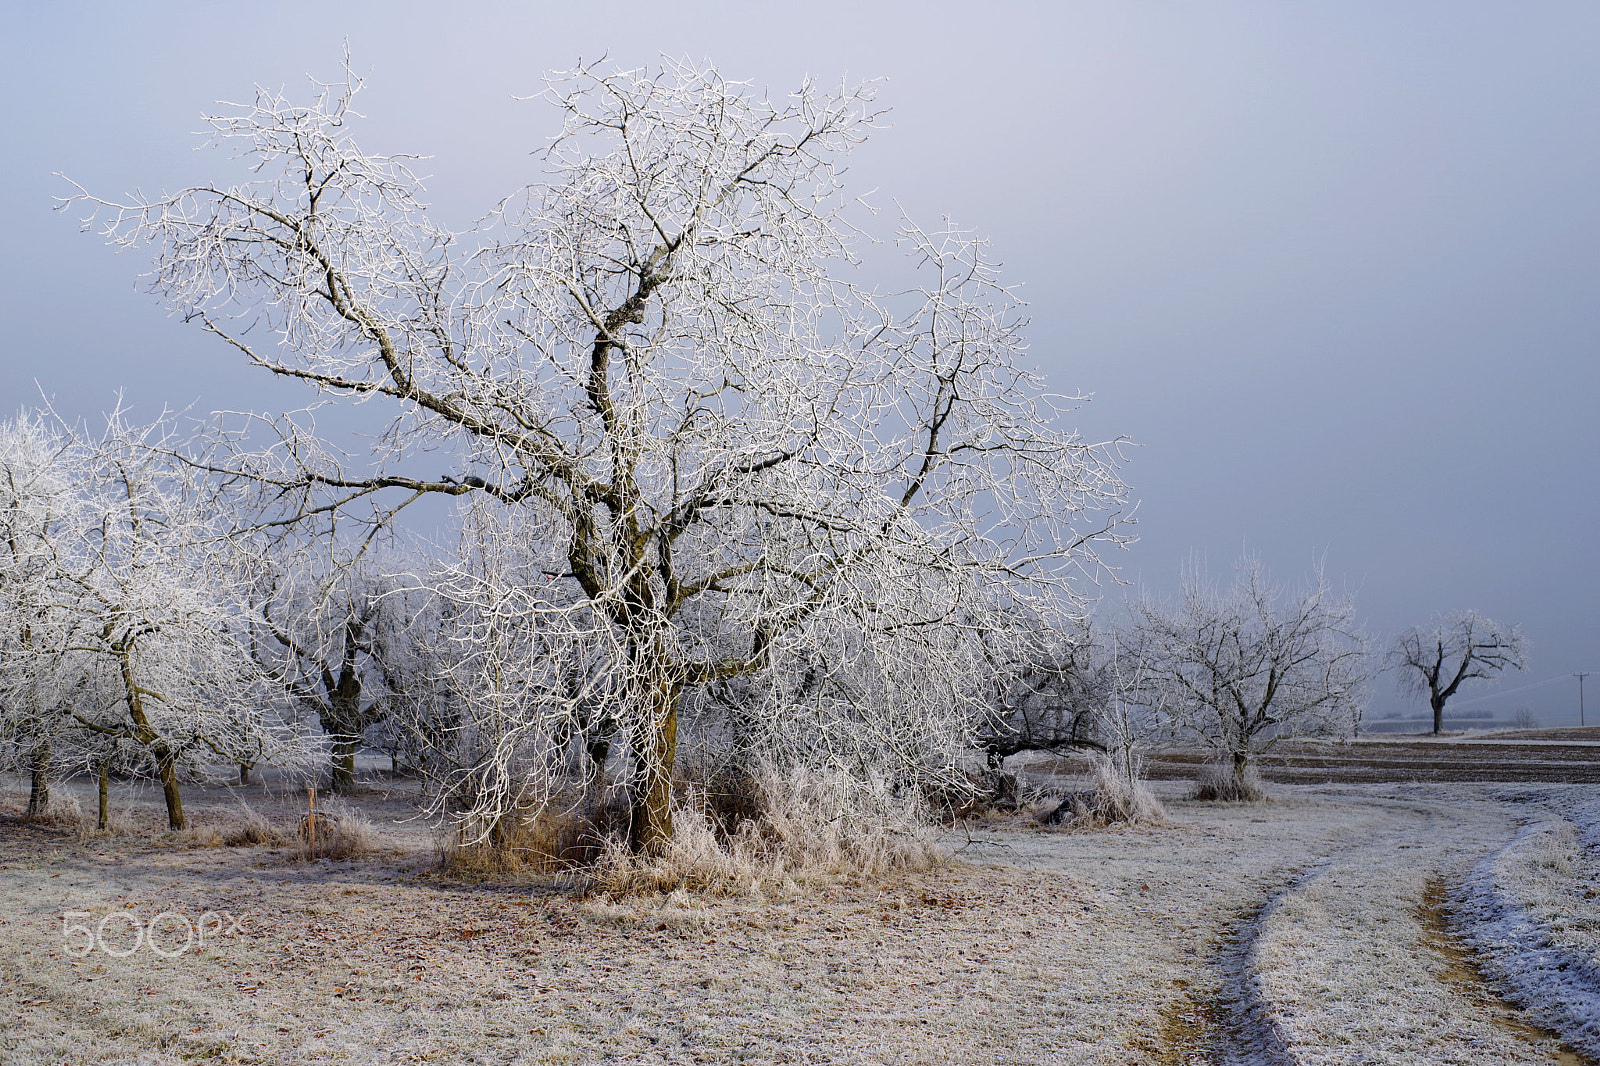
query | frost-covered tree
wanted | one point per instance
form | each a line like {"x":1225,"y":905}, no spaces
{"x":120,"y":620}
{"x":1242,"y":668}
{"x":157,"y":622}
{"x":40,"y":470}
{"x":1050,"y":692}
{"x":739,"y":460}
{"x":1432,"y":662}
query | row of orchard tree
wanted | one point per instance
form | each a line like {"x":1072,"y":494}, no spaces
{"x":713,"y":490}
{"x":141,"y":631}
{"x":123,"y":643}
{"x":145,"y":629}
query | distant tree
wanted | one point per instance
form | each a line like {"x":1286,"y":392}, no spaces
{"x":155,"y":642}
{"x":1243,"y":668}
{"x":1433,"y":662}
{"x":1133,"y":709}
{"x":333,"y":637}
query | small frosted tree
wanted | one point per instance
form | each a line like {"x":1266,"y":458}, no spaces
{"x":739,"y":459}
{"x":154,"y":643}
{"x":1240,"y":669}
{"x":40,"y":468}
{"x":1432,"y":663}
{"x":1134,"y":710}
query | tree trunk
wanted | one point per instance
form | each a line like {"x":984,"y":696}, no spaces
{"x":169,"y":788}
{"x":657,"y":749}
{"x":1241,"y":767}
{"x":147,"y":736}
{"x":343,"y":720}
{"x":597,"y":752}
{"x":103,"y":823}
{"x":342,"y":779}
{"x":244,"y":774}
{"x":1438,"y":714}
{"x":39,"y":783}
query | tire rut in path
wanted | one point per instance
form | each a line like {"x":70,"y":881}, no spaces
{"x":1224,"y":1022}
{"x":1462,"y":973}
{"x":1233,"y":1017}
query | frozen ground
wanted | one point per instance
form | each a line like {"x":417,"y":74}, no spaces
{"x":1326,"y":926}
{"x":1528,"y":908}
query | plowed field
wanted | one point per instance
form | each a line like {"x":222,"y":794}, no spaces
{"x":1551,"y":756}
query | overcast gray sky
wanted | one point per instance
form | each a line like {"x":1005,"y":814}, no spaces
{"x":1333,"y":266}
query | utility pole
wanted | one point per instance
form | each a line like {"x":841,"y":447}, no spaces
{"x":1580,"y":677}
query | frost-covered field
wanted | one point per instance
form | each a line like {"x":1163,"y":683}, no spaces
{"x":1315,"y":928}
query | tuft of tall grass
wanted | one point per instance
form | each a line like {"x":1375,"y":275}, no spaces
{"x":65,"y":811}
{"x":1218,"y":782}
{"x":338,"y":831}
{"x":1557,"y":850}
{"x":250,"y":828}
{"x":245,"y":827}
{"x":1117,"y":795}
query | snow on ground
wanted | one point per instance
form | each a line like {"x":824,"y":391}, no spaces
{"x":1297,"y":930}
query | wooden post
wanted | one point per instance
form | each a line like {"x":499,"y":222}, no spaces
{"x":104,"y":822}
{"x":311,"y":821}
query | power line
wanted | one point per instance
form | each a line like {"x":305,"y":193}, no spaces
{"x":1507,"y":692}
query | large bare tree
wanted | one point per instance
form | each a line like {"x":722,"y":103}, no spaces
{"x":1433,"y":662}
{"x":657,"y":355}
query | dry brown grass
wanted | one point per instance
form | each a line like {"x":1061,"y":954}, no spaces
{"x":1216,"y":782}
{"x":63,"y":812}
{"x":568,"y":832}
{"x":242,"y":828}
{"x":733,"y":833}
{"x":249,"y":828}
{"x":338,"y":831}
{"x":789,"y":828}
